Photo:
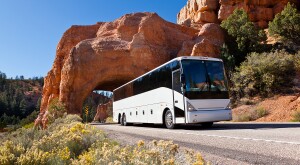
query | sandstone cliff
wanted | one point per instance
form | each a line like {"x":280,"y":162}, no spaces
{"x":199,"y":12}
{"x":106,"y":55}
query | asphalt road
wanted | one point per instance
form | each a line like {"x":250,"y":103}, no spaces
{"x":224,"y":143}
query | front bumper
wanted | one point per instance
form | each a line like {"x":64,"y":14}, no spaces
{"x":201,"y":116}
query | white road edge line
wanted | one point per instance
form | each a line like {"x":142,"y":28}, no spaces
{"x":238,"y":138}
{"x":227,"y":137}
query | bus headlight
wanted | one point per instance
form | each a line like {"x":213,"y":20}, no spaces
{"x":228,"y":106}
{"x":190,"y":107}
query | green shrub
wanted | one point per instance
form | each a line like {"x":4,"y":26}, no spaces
{"x":2,"y":125}
{"x":26,"y":122}
{"x":251,"y":115}
{"x":297,"y":61}
{"x":8,"y":120}
{"x":29,"y":119}
{"x":68,"y":141}
{"x":296,"y":116}
{"x":156,"y":152}
{"x":65,"y":138}
{"x":286,"y":25}
{"x":264,"y":74}
{"x":109,"y":120}
{"x":30,"y":125}
{"x":9,"y":152}
{"x":247,"y":37}
{"x":242,"y":117}
{"x":56,"y":110}
{"x":260,"y":112}
{"x":228,"y":59}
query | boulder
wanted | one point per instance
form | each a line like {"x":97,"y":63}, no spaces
{"x":107,"y":55}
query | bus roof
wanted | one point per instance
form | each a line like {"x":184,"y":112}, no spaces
{"x":175,"y":59}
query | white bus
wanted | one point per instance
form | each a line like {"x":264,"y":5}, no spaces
{"x":185,"y":90}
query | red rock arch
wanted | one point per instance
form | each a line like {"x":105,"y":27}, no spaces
{"x":107,"y":55}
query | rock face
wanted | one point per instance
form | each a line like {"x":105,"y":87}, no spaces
{"x":207,"y":43}
{"x":107,"y":55}
{"x":200,"y":12}
{"x":102,"y":110}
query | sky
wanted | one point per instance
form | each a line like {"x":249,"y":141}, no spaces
{"x":31,"y":29}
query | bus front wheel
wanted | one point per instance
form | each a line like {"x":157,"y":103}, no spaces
{"x":169,"y":123}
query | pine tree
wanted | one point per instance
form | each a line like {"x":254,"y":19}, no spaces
{"x":247,"y":38}
{"x":286,"y":25}
{"x":23,"y":107}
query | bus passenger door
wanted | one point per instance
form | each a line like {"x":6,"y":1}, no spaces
{"x":178,"y":98}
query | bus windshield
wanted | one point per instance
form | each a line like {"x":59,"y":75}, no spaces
{"x":205,"y":79}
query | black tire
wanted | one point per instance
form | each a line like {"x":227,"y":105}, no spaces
{"x":207,"y":124}
{"x":119,"y":119}
{"x":169,"y":123}
{"x":124,"y":121}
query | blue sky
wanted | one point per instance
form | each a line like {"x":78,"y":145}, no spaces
{"x":31,"y":29}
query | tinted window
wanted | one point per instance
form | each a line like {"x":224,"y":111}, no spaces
{"x":161,"y":77}
{"x":205,"y":79}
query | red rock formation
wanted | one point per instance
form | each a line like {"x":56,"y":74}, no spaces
{"x":70,"y":38}
{"x":208,"y":42}
{"x":198,"y":12}
{"x":101,"y":114}
{"x":205,"y":11}
{"x":106,"y":55}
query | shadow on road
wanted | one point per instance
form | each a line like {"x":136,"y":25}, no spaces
{"x":226,"y":126}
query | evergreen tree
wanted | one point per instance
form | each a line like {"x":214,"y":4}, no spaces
{"x":38,"y":104}
{"x":13,"y":100}
{"x":246,"y":37}
{"x":286,"y":25}
{"x":22,"y":107}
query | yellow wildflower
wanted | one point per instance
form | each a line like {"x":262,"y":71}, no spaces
{"x":140,"y":143}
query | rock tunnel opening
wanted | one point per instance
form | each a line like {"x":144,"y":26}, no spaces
{"x":97,"y":106}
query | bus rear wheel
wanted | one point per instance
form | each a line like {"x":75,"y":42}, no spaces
{"x":123,"y":120}
{"x":169,"y":123}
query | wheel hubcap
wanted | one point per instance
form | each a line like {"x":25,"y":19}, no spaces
{"x":169,"y":119}
{"x":124,"y":119}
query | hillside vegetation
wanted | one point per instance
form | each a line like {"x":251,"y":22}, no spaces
{"x":258,"y":70}
{"x":18,"y":98}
